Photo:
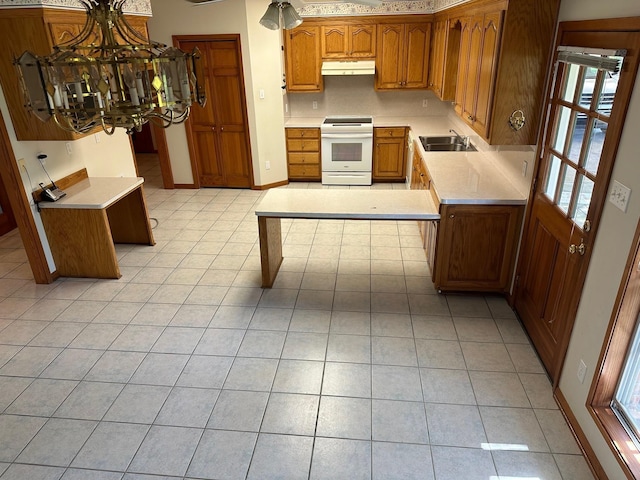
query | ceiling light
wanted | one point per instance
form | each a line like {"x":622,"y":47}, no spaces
{"x":271,"y":18}
{"x":111,"y":76}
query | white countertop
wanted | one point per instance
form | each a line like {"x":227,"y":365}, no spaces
{"x":95,"y":192}
{"x":348,"y":204}
{"x":458,"y":177}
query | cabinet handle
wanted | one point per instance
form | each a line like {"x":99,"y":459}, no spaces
{"x":222,"y":129}
{"x":452,"y":216}
{"x":470,"y":118}
{"x":213,"y":129}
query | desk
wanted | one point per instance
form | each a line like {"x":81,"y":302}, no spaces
{"x":83,"y":226}
{"x":331,"y":204}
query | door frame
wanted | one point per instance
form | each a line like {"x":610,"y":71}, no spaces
{"x":187,"y":125}
{"x":615,"y":127}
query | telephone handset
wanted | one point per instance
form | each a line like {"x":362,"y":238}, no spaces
{"x":51,"y":194}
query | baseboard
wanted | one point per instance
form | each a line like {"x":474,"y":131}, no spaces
{"x":184,"y":185}
{"x":578,"y":433}
{"x":270,"y":185}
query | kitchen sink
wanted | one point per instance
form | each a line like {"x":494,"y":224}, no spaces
{"x":449,"y":143}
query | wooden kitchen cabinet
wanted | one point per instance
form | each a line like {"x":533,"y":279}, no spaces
{"x":348,"y":42}
{"x":389,"y":154}
{"x":504,"y":51}
{"x":478,"y":61}
{"x":476,"y":247}
{"x":36,"y":30}
{"x":402,"y":58}
{"x":303,"y":60}
{"x":443,"y":69}
{"x":420,"y":180}
{"x":303,"y":153}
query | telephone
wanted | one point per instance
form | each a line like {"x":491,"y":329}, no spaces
{"x":51,"y":194}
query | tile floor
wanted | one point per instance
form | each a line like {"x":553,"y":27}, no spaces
{"x":351,"y":367}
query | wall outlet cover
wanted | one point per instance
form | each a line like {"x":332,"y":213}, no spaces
{"x":619,"y":195}
{"x":582,"y":371}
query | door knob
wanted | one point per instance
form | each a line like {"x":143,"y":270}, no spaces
{"x":580,"y":249}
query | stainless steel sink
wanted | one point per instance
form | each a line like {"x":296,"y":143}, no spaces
{"x":450,"y":143}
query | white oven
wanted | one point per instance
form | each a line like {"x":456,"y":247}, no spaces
{"x":347,"y":150}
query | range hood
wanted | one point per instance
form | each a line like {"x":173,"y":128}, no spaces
{"x":360,"y":67}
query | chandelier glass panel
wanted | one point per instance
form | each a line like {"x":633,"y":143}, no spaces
{"x":111,"y":76}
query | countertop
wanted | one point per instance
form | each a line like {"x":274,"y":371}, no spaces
{"x":357,"y":204}
{"x":457,"y":177}
{"x":95,"y":192}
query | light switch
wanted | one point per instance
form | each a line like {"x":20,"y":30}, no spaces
{"x":619,"y":195}
{"x":262,"y":93}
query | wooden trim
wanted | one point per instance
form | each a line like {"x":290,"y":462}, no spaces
{"x":10,"y":176}
{"x":578,"y":433}
{"x":64,"y":182}
{"x":611,"y":363}
{"x":270,"y":185}
{"x":624,"y":24}
{"x":368,"y":20}
{"x":186,"y":185}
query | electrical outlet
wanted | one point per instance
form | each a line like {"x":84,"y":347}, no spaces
{"x":314,"y":105}
{"x":267,"y":165}
{"x":525,"y":164}
{"x":96,"y":137}
{"x":582,"y":371}
{"x":68,"y":145}
{"x":425,"y":103}
{"x":619,"y":195}
{"x":261,"y":93}
{"x":22,"y":163}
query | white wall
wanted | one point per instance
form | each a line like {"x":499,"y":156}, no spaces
{"x":262,"y":70}
{"x":111,"y":157}
{"x":610,"y":250}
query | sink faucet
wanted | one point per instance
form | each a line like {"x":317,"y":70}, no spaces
{"x":464,"y":140}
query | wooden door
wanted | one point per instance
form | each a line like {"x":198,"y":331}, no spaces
{"x":581,"y":137}
{"x":416,"y":55}
{"x":219,"y":135}
{"x":388,"y":161}
{"x":362,"y":41}
{"x":302,"y":45}
{"x":7,"y":220}
{"x":463,"y":63}
{"x":389,"y":56}
{"x":487,"y":72}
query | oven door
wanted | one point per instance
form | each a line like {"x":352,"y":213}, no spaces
{"x":351,"y":152}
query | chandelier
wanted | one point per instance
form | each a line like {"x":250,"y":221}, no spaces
{"x":277,"y":8}
{"x":111,"y":76}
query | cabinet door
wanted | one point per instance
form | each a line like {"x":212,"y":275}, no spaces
{"x":476,"y":247}
{"x":362,"y":41}
{"x":487,"y":72}
{"x":302,"y":53}
{"x":334,"y":41}
{"x":436,"y":67}
{"x":463,"y":63}
{"x":389,"y":56}
{"x":473,"y":68}
{"x":416,"y":55}
{"x":389,"y":159}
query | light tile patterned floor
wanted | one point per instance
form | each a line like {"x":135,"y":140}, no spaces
{"x":351,"y":367}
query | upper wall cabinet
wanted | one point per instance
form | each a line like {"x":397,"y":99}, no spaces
{"x":443,"y":67}
{"x":350,"y":42}
{"x":302,"y":58}
{"x":504,"y":50}
{"x":402,"y":59}
{"x":37,"y":30}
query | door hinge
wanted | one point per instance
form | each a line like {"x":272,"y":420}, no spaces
{"x":535,"y":183}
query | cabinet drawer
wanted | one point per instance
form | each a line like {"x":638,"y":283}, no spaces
{"x":303,"y":132}
{"x":389,"y":132}
{"x":304,"y":171}
{"x":310,"y":158}
{"x":303,"y":145}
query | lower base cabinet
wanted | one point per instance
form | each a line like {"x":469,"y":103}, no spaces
{"x":475,"y":247}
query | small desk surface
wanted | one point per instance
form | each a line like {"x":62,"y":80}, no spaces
{"x":95,"y":192}
{"x":348,"y":204}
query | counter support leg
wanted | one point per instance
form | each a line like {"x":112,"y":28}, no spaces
{"x":270,"y":234}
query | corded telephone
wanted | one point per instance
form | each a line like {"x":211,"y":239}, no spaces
{"x":51,"y":194}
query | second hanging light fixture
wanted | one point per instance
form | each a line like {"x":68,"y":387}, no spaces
{"x":271,"y":18}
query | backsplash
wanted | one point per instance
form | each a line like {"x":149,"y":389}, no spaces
{"x":140,"y":7}
{"x":355,"y":95}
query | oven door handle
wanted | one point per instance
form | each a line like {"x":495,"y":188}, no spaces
{"x":347,"y":136}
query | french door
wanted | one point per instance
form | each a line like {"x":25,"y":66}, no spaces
{"x":592,"y":79}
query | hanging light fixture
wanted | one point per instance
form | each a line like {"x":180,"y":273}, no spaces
{"x":271,"y":18}
{"x":111,"y":76}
